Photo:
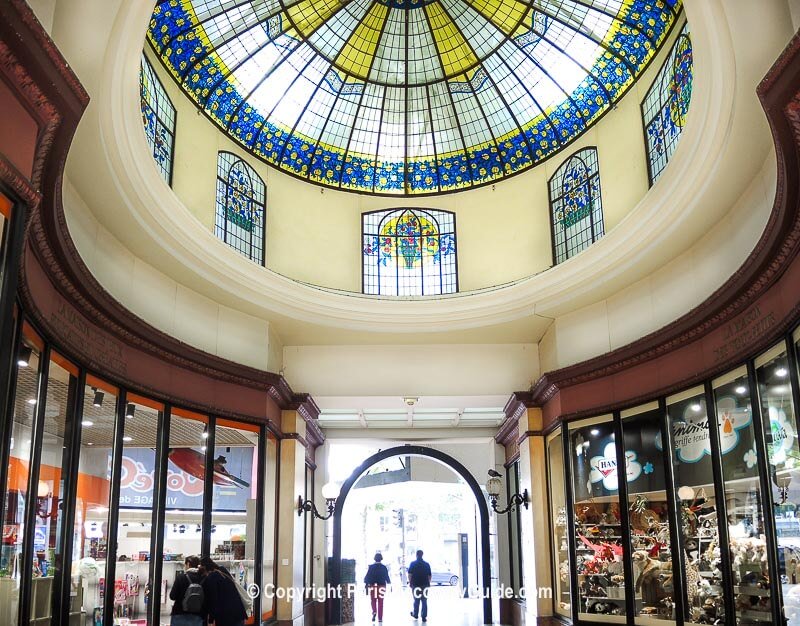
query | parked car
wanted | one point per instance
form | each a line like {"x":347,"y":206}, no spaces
{"x":444,"y":578}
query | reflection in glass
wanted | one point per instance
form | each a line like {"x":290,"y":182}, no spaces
{"x":131,"y":585}
{"x":742,"y":497}
{"x":233,"y":505}
{"x":183,"y":517}
{"x":558,"y":516}
{"x":90,"y":532}
{"x":598,"y":521}
{"x":648,"y":514}
{"x":699,"y":532}
{"x":17,"y":487}
{"x":268,"y":573}
{"x":783,"y":454}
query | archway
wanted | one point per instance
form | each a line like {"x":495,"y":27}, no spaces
{"x":335,"y":574}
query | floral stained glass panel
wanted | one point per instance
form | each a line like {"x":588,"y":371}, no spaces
{"x":409,"y":252}
{"x":240,"y":207}
{"x":158,"y":117}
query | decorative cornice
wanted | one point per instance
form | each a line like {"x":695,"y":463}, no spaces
{"x":18,"y":184}
{"x":514,"y":408}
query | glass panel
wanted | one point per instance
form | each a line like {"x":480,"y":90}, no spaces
{"x":309,"y":532}
{"x":17,"y":487}
{"x":233,"y":518}
{"x":694,"y":482}
{"x":183,"y":517}
{"x":780,"y":433}
{"x":648,"y":514}
{"x":91,"y":505}
{"x":268,"y":572}
{"x":136,"y":510}
{"x":47,"y":548}
{"x":598,"y":525}
{"x":240,"y":207}
{"x":743,"y":498}
{"x":515,"y":556}
{"x":558,"y":515}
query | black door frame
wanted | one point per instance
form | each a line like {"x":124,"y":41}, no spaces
{"x":335,"y":573}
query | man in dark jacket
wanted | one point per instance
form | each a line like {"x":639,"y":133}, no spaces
{"x":223,"y":605}
{"x":419,"y":579}
{"x":376,"y":580}
{"x":183,"y":579}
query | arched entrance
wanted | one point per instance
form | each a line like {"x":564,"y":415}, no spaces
{"x":458,"y":468}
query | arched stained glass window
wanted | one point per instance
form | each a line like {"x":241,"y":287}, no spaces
{"x":409,"y":252}
{"x":576,"y":210}
{"x":240,"y":207}
{"x":158,"y":116}
{"x":666,"y":104}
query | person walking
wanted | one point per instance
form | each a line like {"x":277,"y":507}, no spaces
{"x":223,"y":604}
{"x":419,"y":579}
{"x":187,"y":595}
{"x":376,"y":580}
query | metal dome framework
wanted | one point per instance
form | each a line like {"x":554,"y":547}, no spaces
{"x":407,"y":97}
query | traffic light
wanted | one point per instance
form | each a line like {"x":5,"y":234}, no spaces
{"x":397,"y":517}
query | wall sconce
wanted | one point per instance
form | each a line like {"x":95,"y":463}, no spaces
{"x":98,"y":397}
{"x":130,"y":410}
{"x":493,"y":486}
{"x":24,"y":356}
{"x":330,"y":491}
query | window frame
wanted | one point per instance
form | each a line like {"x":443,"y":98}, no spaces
{"x":159,"y":92}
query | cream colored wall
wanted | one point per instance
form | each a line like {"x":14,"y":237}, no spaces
{"x":313,"y":233}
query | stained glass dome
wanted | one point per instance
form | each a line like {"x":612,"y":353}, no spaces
{"x":407,"y":97}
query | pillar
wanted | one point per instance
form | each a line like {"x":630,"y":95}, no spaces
{"x":289,"y":609}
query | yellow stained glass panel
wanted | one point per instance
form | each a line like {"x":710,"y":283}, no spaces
{"x":357,"y":54}
{"x":505,"y":14}
{"x":309,"y":15}
{"x":454,"y":52}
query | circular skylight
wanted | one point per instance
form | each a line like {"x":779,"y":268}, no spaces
{"x":407,"y":96}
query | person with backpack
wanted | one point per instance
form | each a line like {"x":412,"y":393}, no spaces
{"x":376,"y":580}
{"x":224,"y":603}
{"x":187,"y":595}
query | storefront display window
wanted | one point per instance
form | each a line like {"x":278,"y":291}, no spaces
{"x":90,"y":530}
{"x":694,"y":485}
{"x":16,"y":489}
{"x":270,"y":478}
{"x":233,"y":505}
{"x":131,"y":586}
{"x":183,"y":516}
{"x":558,"y":517}
{"x":598,"y":521}
{"x":783,"y":455}
{"x":648,"y":515}
{"x":743,"y":499}
{"x":515,"y":540}
{"x":308,"y":536}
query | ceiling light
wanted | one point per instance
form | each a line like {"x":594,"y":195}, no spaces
{"x":203,"y":448}
{"x":31,"y":400}
{"x":90,"y":444}
{"x":130,"y":410}
{"x":410,"y":400}
{"x":98,"y":397}
{"x":205,"y":435}
{"x":696,"y":407}
{"x":781,"y":371}
{"x":741,"y":389}
{"x":594,"y":432}
{"x":24,"y":357}
{"x":87,"y":423}
{"x":126,"y":438}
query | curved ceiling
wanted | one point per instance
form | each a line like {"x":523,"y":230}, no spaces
{"x":407,"y":96}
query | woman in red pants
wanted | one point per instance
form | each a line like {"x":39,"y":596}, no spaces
{"x":376,"y":580}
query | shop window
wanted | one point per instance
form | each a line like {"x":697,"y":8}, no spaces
{"x":131,"y":584}
{"x":694,"y":486}
{"x":745,"y":506}
{"x":514,"y":532}
{"x":598,"y":521}
{"x":269,"y":525}
{"x":779,"y":422}
{"x":183,"y":506}
{"x":308,"y":533}
{"x":16,"y":491}
{"x":576,"y":210}
{"x":240,"y":207}
{"x":409,"y":252}
{"x":92,"y":502}
{"x":558,"y":519}
{"x":666,"y":105}
{"x":233,"y":504}
{"x":158,"y":116}
{"x":649,"y":515}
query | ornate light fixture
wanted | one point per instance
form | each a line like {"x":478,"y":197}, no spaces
{"x":516,"y":500}
{"x":330,"y":491}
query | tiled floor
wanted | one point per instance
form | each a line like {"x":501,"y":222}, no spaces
{"x":445,"y":608}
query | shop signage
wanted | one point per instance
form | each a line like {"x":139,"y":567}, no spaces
{"x":604,"y":467}
{"x":185,"y":471}
{"x":783,"y":438}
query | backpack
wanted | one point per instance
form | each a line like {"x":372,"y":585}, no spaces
{"x":193,"y":597}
